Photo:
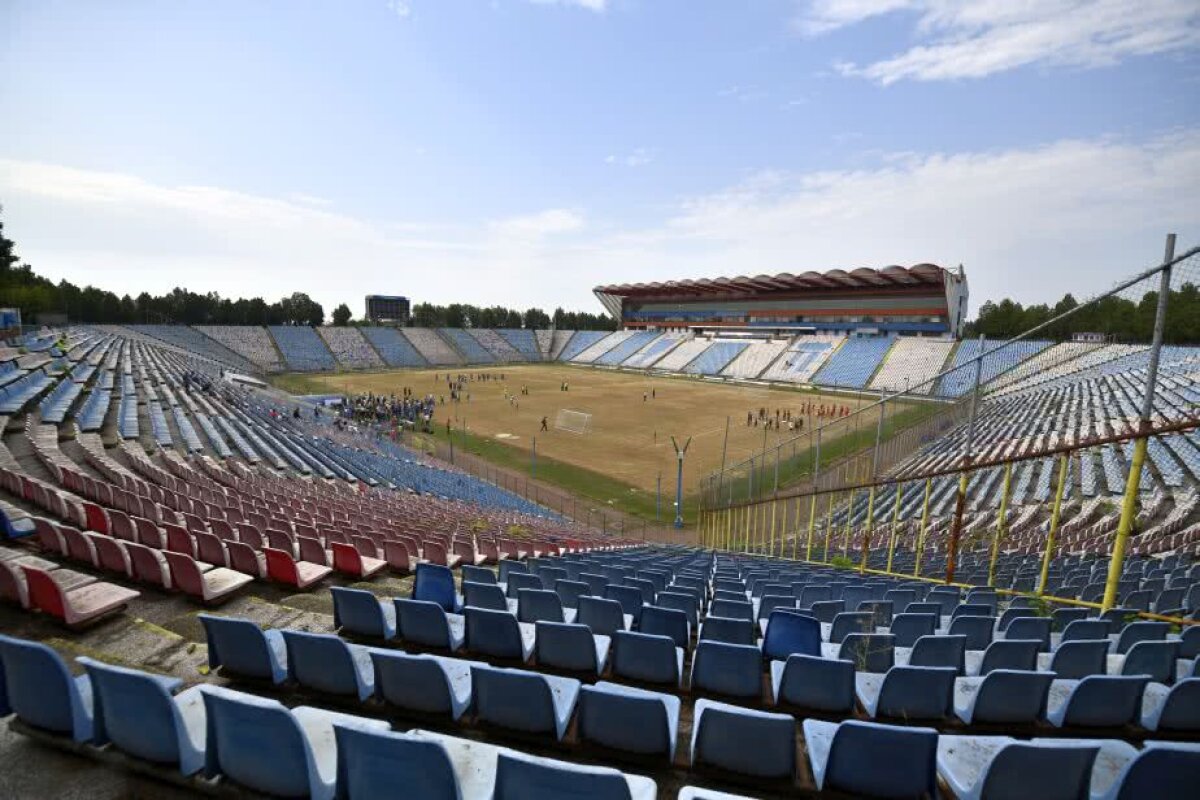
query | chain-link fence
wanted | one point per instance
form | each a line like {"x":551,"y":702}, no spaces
{"x":1045,"y":442}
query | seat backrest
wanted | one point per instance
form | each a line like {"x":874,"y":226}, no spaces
{"x":435,"y":583}
{"x":1062,"y":769}
{"x":869,"y":652}
{"x":539,"y":604}
{"x":1142,"y":631}
{"x":882,"y":760}
{"x":320,"y":661}
{"x":1181,"y":708}
{"x":1162,"y":769}
{"x":518,"y":778}
{"x":666,"y":622}
{"x":357,"y":611}
{"x":146,"y":566}
{"x":1105,"y":700}
{"x":733,"y":670}
{"x":134,"y":711}
{"x":566,"y":646}
{"x":600,"y":615}
{"x":256,"y":742}
{"x":908,"y":627}
{"x":475,"y":574}
{"x":977,"y":630}
{"x":185,"y":574}
{"x":629,"y":597}
{"x":646,"y":657}
{"x":373,"y":763}
{"x":732,"y":609}
{"x":484,"y":595}
{"x":312,"y":551}
{"x":411,"y":682}
{"x":744,"y":741}
{"x":1017,"y":696}
{"x":44,"y":593}
{"x":1153,"y":658}
{"x":851,"y":622}
{"x":917,"y":692}
{"x":1019,"y":654}
{"x":790,"y":632}
{"x":727,"y":629}
{"x":1085,"y":629}
{"x":237,"y":646}
{"x":1080,"y":658}
{"x":493,"y":632}
{"x":40,"y":688}
{"x":1030,"y":628}
{"x":522,"y":580}
{"x":513,"y":698}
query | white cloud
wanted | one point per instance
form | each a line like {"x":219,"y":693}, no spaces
{"x":1031,"y":223}
{"x":599,"y":6}
{"x":639,"y":157}
{"x":400,"y":8}
{"x":975,"y":38}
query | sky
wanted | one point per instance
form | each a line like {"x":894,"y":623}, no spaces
{"x":522,"y":152}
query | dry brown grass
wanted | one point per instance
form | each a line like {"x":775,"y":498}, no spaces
{"x":629,"y":439}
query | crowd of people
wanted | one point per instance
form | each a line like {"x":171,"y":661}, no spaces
{"x":786,"y":418}
{"x":391,"y":410}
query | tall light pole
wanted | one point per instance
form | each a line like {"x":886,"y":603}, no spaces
{"x":679,"y":453}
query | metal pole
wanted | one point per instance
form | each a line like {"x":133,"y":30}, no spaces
{"x":923,"y":528}
{"x":1001,"y":523}
{"x":724,"y":449}
{"x":1055,"y":514}
{"x":895,"y":524}
{"x":961,"y":501}
{"x":1116,"y":564}
{"x":812,"y":526}
{"x":679,"y":481}
{"x":773,"y":504}
{"x":828,"y":529}
{"x":849,"y":525}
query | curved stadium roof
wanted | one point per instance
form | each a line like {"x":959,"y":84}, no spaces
{"x":918,"y":274}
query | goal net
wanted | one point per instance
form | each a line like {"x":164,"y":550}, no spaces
{"x":573,"y":421}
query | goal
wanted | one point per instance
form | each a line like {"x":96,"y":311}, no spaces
{"x":572,"y":421}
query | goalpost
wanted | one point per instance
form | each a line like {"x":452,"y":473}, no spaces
{"x":572,"y":421}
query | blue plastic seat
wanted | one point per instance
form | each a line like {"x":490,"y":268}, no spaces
{"x":790,"y":632}
{"x":688,"y":603}
{"x":1085,"y":629}
{"x":1153,"y":658}
{"x":1162,"y":770}
{"x":423,"y":683}
{"x":727,"y":629}
{"x":42,"y":691}
{"x":880,"y":610}
{"x":826,"y":611}
{"x":523,"y":701}
{"x":371,"y":764}
{"x":498,"y":634}
{"x":523,"y":777}
{"x":850,"y":622}
{"x":535,"y":605}
{"x":1037,"y":628}
{"x":1097,"y":701}
{"x":435,"y":583}
{"x":978,"y":631}
{"x":1076,"y":659}
{"x":629,"y":719}
{"x":812,"y":682}
{"x":571,"y":647}
{"x":485,"y":595}
{"x":1011,"y":613}
{"x":238,"y":647}
{"x":732,"y":609}
{"x":907,"y":692}
{"x":325,"y":663}
{"x":569,"y":592}
{"x":908,"y":627}
{"x":630,"y":599}
{"x":602,"y":616}
{"x":507,"y":568}
{"x":743,"y":741}
{"x":1173,"y":709}
{"x":1003,"y":696}
{"x":937,"y":651}
{"x":427,"y":624}
{"x":873,"y":760}
{"x":731,"y":670}
{"x":262,"y":745}
{"x":142,"y":714}
{"x":870,"y":652}
{"x":521,"y":580}
{"x":1141,"y":631}
{"x":647,"y":658}
{"x":976,"y":767}
{"x":476,"y":574}
{"x":769,"y":602}
{"x":1018,"y":654}
{"x":666,"y":622}
{"x":360,"y":612}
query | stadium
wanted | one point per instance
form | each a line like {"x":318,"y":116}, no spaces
{"x":564,"y":399}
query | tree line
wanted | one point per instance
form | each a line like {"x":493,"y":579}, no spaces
{"x":33,"y":294}
{"x":1121,"y":318}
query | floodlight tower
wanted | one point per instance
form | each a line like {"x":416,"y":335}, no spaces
{"x":679,"y":453}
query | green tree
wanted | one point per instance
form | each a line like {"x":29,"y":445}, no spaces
{"x":341,"y":315}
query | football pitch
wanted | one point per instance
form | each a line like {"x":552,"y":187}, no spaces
{"x":633,"y":417}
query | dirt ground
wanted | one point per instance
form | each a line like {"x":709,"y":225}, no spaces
{"x":630,"y":438}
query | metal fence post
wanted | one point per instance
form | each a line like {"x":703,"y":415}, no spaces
{"x":1055,"y":514}
{"x":812,"y":527}
{"x":1001,"y":521}
{"x":895,"y":524}
{"x":961,"y":501}
{"x":924,"y":526}
{"x":1116,"y":563}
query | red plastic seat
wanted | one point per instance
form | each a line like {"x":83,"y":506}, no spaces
{"x":281,"y":567}
{"x":76,"y":606}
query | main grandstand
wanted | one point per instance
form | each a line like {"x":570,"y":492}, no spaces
{"x":213,"y":586}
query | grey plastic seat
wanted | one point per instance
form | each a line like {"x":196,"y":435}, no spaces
{"x":1136,"y":632}
{"x":486,"y":595}
{"x":850,"y":622}
{"x":538,"y":605}
{"x":924,"y":693}
{"x":1097,"y":701}
{"x":1018,"y":654}
{"x":360,"y":612}
{"x":239,"y":648}
{"x":731,"y":670}
{"x":629,"y":719}
{"x":826,"y":611}
{"x":743,"y":741}
{"x":1153,"y":658}
{"x":571,"y":647}
{"x":813,"y":682}
{"x":425,"y":684}
{"x":977,"y":767}
{"x":427,"y":624}
{"x":370,"y":763}
{"x":523,"y":701}
{"x":977,"y":630}
{"x":1172,"y":709}
{"x":1003,"y":696}
{"x":647,"y":658}
{"x":569,"y":592}
{"x":1037,"y":628}
{"x":869,"y":759}
{"x":936,"y":651}
{"x":325,"y":663}
{"x":1166,"y":770}
{"x":1011,"y":613}
{"x":1084,"y":629}
{"x":1076,"y":659}
{"x":869,"y":652}
{"x":516,"y":581}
